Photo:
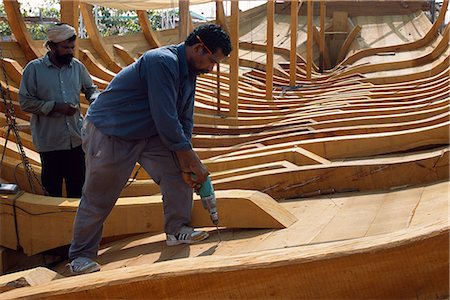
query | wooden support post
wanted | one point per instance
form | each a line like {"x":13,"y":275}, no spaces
{"x":150,"y":36}
{"x":19,"y":29}
{"x":183,"y":25}
{"x":269,"y":53}
{"x":323,"y":14}
{"x":220,"y":15}
{"x":234,"y":59}
{"x":309,"y":44}
{"x":70,"y":14}
{"x":293,"y":52}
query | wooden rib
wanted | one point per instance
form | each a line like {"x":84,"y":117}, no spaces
{"x":309,"y":47}
{"x":431,"y":34}
{"x":417,"y":61}
{"x":33,"y":277}
{"x":293,"y":49}
{"x":234,"y":59}
{"x":146,"y":27}
{"x":96,"y":38}
{"x":323,"y":15}
{"x":13,"y":69}
{"x":349,"y":175}
{"x":269,"y":55}
{"x":123,"y":54}
{"x":183,"y":24}
{"x":94,"y":67}
{"x":220,"y":15}
{"x":130,"y":215}
{"x":347,"y":43}
{"x":18,"y":27}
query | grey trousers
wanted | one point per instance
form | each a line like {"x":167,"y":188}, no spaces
{"x":109,"y":163}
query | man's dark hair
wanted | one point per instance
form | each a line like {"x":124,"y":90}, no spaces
{"x":213,"y":36}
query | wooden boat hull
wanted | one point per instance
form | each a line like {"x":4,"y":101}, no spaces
{"x":408,"y":264}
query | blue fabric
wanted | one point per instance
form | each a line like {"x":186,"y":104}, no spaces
{"x":153,"y":96}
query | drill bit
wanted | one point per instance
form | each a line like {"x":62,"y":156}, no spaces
{"x":218,"y":232}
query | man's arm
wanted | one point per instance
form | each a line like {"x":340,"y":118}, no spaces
{"x":28,"y":99}
{"x":30,"y":102}
{"x":88,"y":87}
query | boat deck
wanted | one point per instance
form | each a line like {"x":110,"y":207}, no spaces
{"x":322,"y":220}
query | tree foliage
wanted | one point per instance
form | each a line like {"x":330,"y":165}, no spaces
{"x":5,"y":30}
{"x":117,"y":22}
{"x":110,"y":21}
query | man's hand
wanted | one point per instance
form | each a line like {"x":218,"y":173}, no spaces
{"x":65,"y":109}
{"x":190,"y":164}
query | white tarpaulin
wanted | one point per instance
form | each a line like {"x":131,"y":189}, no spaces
{"x":142,"y":4}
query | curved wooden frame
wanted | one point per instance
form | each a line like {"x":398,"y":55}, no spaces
{"x":150,"y":37}
{"x":403,"y":47}
{"x":96,"y":38}
{"x":18,"y":27}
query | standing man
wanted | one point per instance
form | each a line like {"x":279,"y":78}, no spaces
{"x":146,"y":115}
{"x":50,"y":91}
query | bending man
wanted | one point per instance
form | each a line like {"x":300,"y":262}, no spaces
{"x":145,"y":115}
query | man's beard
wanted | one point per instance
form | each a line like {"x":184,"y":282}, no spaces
{"x":64,"y":59}
{"x":200,"y":71}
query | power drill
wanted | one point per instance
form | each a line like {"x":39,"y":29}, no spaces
{"x":206,"y":193}
{"x":208,"y":198}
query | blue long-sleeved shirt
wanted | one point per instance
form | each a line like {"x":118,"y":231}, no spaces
{"x":153,"y":96}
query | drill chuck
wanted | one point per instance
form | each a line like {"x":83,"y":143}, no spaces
{"x":208,"y":198}
{"x":209,"y":203}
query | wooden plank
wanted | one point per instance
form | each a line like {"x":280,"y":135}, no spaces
{"x":440,"y":49}
{"x":234,"y":59}
{"x":94,"y":67}
{"x":96,"y":38}
{"x":408,"y":258}
{"x":269,"y":55}
{"x":430,"y":35}
{"x":433,"y":198}
{"x":50,"y":224}
{"x":293,"y":49}
{"x":32,"y":277}
{"x":150,"y":36}
{"x":395,"y":211}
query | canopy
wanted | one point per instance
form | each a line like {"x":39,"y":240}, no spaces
{"x":141,"y":4}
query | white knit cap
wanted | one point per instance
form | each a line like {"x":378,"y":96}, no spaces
{"x":60,"y":33}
